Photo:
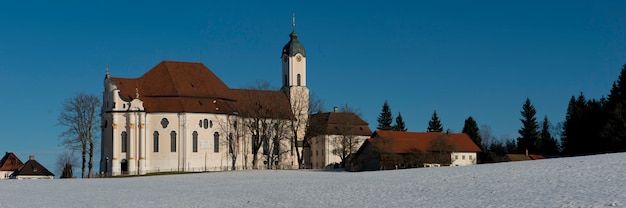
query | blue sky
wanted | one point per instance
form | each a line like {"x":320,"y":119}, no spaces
{"x":479,"y":59}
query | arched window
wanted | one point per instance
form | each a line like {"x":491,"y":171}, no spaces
{"x":173,"y":141}
{"x":299,"y":82}
{"x":230,"y":143}
{"x":155,"y":138}
{"x":195,"y":141}
{"x":124,"y":141}
{"x":206,"y":123}
{"x":216,"y":142}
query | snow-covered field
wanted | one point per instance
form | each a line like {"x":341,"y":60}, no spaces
{"x":592,"y":181}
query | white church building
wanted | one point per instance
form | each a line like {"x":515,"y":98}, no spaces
{"x":179,"y":116}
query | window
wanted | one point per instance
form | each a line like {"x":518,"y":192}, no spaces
{"x":463,"y":157}
{"x":230,"y":143}
{"x":200,"y":123}
{"x":173,"y":141}
{"x":164,"y":122}
{"x":155,"y":137}
{"x":206,"y":123}
{"x":124,"y":141}
{"x":276,"y":147}
{"x":456,"y":157}
{"x":210,"y":124}
{"x":254,"y":140}
{"x":195,"y":141}
{"x":470,"y":157}
{"x":299,"y":83}
{"x":216,"y":142}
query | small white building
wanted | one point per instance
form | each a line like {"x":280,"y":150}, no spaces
{"x":9,"y":164}
{"x":335,"y":135}
{"x":32,"y":170}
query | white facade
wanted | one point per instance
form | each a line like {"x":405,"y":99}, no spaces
{"x":322,"y":147}
{"x":31,"y":177}
{"x":463,"y":158}
{"x":137,"y":141}
{"x":184,"y":144}
{"x":5,"y":174}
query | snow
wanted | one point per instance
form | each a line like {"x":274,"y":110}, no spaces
{"x":591,"y":181}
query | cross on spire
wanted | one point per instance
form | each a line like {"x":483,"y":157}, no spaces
{"x":107,"y":72}
{"x":293,"y":21}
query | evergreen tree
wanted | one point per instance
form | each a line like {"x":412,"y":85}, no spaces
{"x":613,"y":133}
{"x":584,"y":122}
{"x":471,"y":129}
{"x":573,"y":138}
{"x":529,"y":132}
{"x":67,"y":171}
{"x":434,"y":125}
{"x":399,"y":124}
{"x":546,"y":144}
{"x":385,"y":118}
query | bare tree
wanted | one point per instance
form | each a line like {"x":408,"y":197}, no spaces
{"x":346,"y":142}
{"x":65,"y":163}
{"x":263,"y":112}
{"x":234,"y":139}
{"x":274,"y":148}
{"x":298,"y":122}
{"x":79,"y":116}
{"x":441,"y":150}
{"x":485,"y":134}
{"x":313,"y":126}
{"x":382,"y":151}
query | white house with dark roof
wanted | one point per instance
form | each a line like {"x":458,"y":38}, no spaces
{"x":334,"y":135}
{"x":179,"y":116}
{"x":32,"y":170}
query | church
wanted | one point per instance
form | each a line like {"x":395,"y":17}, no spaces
{"x":180,"y":117}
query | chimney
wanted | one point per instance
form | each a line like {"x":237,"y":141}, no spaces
{"x":32,"y":157}
{"x":336,"y":109}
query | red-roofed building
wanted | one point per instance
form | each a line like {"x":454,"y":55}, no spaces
{"x":395,"y":149}
{"x":9,"y":164}
{"x":179,"y":116}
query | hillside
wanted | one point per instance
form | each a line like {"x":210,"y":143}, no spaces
{"x":592,"y":181}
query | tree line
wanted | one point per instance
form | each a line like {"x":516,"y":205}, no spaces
{"x":591,"y":126}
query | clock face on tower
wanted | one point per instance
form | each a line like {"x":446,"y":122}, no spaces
{"x":298,"y":58}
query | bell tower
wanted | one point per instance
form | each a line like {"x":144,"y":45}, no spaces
{"x":294,"y":60}
{"x":294,"y":81}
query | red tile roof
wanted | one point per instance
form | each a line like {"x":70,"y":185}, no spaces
{"x":338,"y":123}
{"x":523,"y":157}
{"x":272,"y":104}
{"x":173,"y":86}
{"x":10,"y":162}
{"x":407,"y":142}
